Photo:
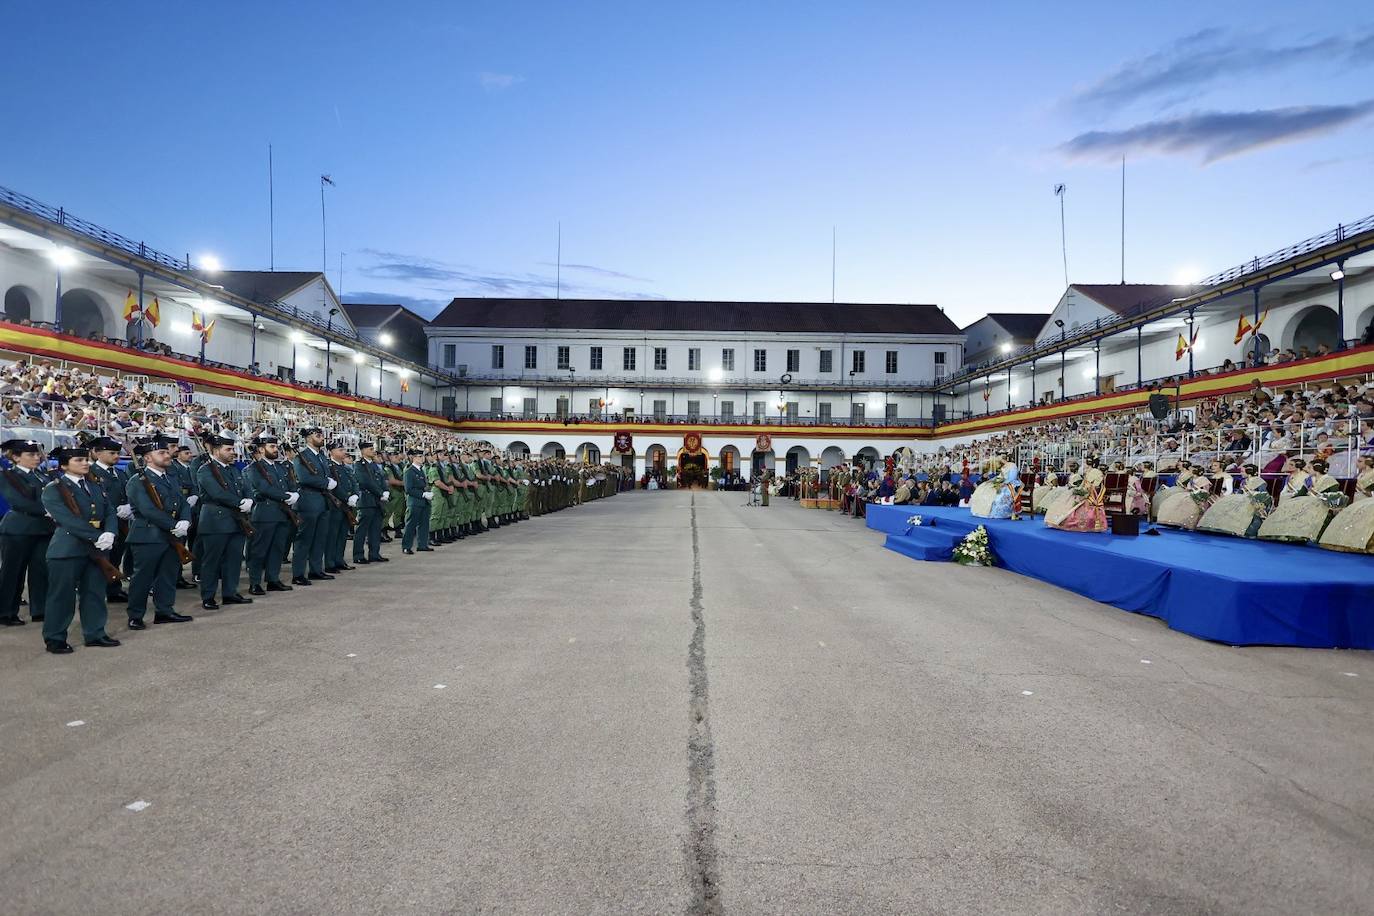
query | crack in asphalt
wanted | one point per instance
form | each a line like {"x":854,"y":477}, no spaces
{"x":703,"y":872}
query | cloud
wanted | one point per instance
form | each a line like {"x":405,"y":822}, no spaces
{"x":600,"y":272}
{"x":1217,"y":135}
{"x":1181,"y":69}
{"x":498,"y":82}
{"x":430,"y":275}
{"x":427,"y":308}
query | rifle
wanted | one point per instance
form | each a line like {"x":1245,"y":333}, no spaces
{"x":123,"y":523}
{"x":291,"y":515}
{"x":183,"y":555}
{"x":350,"y":517}
{"x":244,"y":524}
{"x":111,"y":572}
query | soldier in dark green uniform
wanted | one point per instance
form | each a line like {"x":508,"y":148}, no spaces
{"x":24,"y":532}
{"x":373,"y":495}
{"x":269,"y":485}
{"x":106,"y":474}
{"x":185,"y":477}
{"x":313,"y":479}
{"x":395,"y":517}
{"x":224,"y":504}
{"x":418,"y":495}
{"x":160,"y":517}
{"x":72,"y":575}
{"x":345,"y":496}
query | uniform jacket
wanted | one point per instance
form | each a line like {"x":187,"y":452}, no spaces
{"x":24,"y":493}
{"x":348,"y":483}
{"x":312,"y":477}
{"x":114,"y":482}
{"x":185,"y":477}
{"x":416,"y":486}
{"x":149,"y":521}
{"x":218,"y":501}
{"x":96,"y":516}
{"x":371,"y":479}
{"x":268,"y":484}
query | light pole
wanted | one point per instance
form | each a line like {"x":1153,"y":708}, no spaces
{"x":386,"y":340}
{"x":358,"y":359}
{"x":62,"y":259}
{"x":328,"y":327}
{"x":572,"y":377}
{"x":296,"y":338}
{"x":1339,"y":276}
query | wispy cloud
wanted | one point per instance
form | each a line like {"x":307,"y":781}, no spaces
{"x":428,"y":308}
{"x":1178,"y":71}
{"x":430,"y":275}
{"x":1217,"y":135}
{"x":498,"y":82}
{"x":599,"y":272}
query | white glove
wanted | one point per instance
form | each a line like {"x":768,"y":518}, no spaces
{"x":291,"y":498}
{"x":192,"y":499}
{"x":105,"y":541}
{"x":125,"y":511}
{"x":332,"y":484}
{"x":353,"y":502}
{"x":428,"y":494}
{"x":180,"y":529}
{"x":245,"y":505}
{"x":386,"y":494}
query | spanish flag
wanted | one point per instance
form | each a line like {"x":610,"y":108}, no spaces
{"x":1242,"y":328}
{"x":131,"y":311}
{"x":153,"y":313}
{"x":405,"y":386}
{"x":206,"y":331}
{"x":1185,"y":345}
{"x":198,"y":324}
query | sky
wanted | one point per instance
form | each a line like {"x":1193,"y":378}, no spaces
{"x":698,"y":151}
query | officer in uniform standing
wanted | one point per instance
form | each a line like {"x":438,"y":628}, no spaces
{"x":84,"y":519}
{"x":24,"y":532}
{"x":224,"y":509}
{"x":312,"y":476}
{"x":106,"y":474}
{"x":345,"y":496}
{"x":418,"y":495}
{"x":395,"y":506}
{"x":160,"y":514}
{"x":373,"y":495}
{"x":269,"y":485}
{"x":185,"y":477}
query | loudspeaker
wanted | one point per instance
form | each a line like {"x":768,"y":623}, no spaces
{"x":1159,"y":406}
{"x":1122,"y":523}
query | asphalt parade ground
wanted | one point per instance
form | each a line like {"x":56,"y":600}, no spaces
{"x":668,"y":702}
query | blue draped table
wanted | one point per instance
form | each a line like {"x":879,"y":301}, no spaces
{"x":1231,"y":590}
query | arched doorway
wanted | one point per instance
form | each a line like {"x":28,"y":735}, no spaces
{"x":1363,"y":323}
{"x":519,"y":449}
{"x":797,"y":457}
{"x":19,"y":304}
{"x":868,"y":455}
{"x":552,"y":450}
{"x":763,"y":461}
{"x":83,"y":313}
{"x":589,"y":453}
{"x":656,"y":461}
{"x":729,"y":461}
{"x":1313,"y":327}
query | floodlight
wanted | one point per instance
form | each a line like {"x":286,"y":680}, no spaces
{"x":62,"y":257}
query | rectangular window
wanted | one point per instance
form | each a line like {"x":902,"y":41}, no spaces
{"x":595,"y":359}
{"x":857,"y":367}
{"x":827,"y":360}
{"x":793,"y":360}
{"x":660,"y":410}
{"x":531,"y":357}
{"x":792,"y":410}
{"x":760,"y":411}
{"x":497,"y":408}
{"x":498,"y":356}
{"x":694,"y":359}
{"x":564,"y":357}
{"x":628,"y":359}
{"x":660,"y":358}
{"x":531,"y":408}
{"x":727,"y":410}
{"x":727,"y":360}
{"x":940,"y":364}
{"x":891,"y":362}
{"x":594,"y":407}
{"x":890,"y":411}
{"x":823,"y":411}
{"x":856,"y":411}
{"x":760,"y":360}
{"x":450,"y":355}
{"x":694,"y":410}
{"x":561,"y":407}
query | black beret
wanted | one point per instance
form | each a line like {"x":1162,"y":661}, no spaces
{"x":20,"y":446}
{"x":363,"y":445}
{"x":265,"y":440}
{"x":213,"y":441}
{"x":310,"y":431}
{"x":103,"y":443}
{"x":150,"y":445}
{"x":414,"y":452}
{"x":64,"y":454}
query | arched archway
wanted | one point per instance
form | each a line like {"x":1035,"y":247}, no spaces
{"x":868,"y":455}
{"x":519,"y":449}
{"x":797,"y":457}
{"x":656,"y":459}
{"x":552,"y":450}
{"x":20,"y":304}
{"x":832,"y":456}
{"x":1362,"y":324}
{"x":1312,"y":327}
{"x":729,"y":460}
{"x":763,"y":461}
{"x":589,"y":452}
{"x":83,"y":313}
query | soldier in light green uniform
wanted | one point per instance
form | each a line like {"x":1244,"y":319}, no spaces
{"x":396,"y":506}
{"x":437,"y":504}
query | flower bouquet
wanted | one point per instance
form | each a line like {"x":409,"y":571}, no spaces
{"x":973,"y":550}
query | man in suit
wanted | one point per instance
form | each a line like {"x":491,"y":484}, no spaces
{"x":345,"y":496}
{"x":84,"y":520}
{"x":373,"y":495}
{"x":269,"y":484}
{"x":24,"y":532}
{"x":224,"y":505}
{"x":160,"y":515}
{"x":418,"y":495}
{"x":106,"y":474}
{"x":312,"y":477}
{"x":184,"y":475}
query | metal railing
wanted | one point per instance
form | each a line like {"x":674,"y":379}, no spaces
{"x":557,"y":419}
{"x":598,"y":379}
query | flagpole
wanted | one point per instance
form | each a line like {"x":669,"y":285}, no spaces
{"x":140,"y":308}
{"x":271,"y":215}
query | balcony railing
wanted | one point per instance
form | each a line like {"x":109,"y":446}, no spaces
{"x":563,"y":379}
{"x":694,"y":420}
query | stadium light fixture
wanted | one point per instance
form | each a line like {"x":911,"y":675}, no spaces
{"x":1006,"y":347}
{"x":360,"y":358}
{"x":1337,"y":275}
{"x":716,"y":374}
{"x":386,"y":339}
{"x":181,"y":327}
{"x":62,"y":257}
{"x":403,"y":373}
{"x":297,"y":337}
{"x":1088,"y":372}
{"x":210,"y":263}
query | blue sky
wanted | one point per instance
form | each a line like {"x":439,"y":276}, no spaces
{"x":703,"y":150}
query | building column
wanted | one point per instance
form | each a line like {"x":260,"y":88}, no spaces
{"x":1340,"y":304}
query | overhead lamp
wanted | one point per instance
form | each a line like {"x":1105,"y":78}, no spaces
{"x":1059,"y":322}
{"x":1188,"y":320}
{"x":297,"y":337}
{"x":1006,"y":347}
{"x":360,"y":358}
{"x":62,"y":257}
{"x":1088,"y":373}
{"x":210,"y":263}
{"x":403,"y":373}
{"x":1337,"y":275}
{"x":716,"y":374}
{"x":386,"y":339}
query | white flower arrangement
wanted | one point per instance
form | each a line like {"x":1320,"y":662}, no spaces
{"x":973,"y":550}
{"x":914,"y":520}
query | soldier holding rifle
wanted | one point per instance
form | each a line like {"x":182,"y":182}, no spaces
{"x":161,"y":518}
{"x":224,"y":525}
{"x":78,"y":571}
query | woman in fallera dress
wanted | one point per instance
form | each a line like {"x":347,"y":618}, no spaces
{"x":1084,"y":509}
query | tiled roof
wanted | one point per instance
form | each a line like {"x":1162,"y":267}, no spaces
{"x":1128,"y":299}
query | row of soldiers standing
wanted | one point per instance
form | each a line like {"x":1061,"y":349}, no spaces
{"x":74,"y":536}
